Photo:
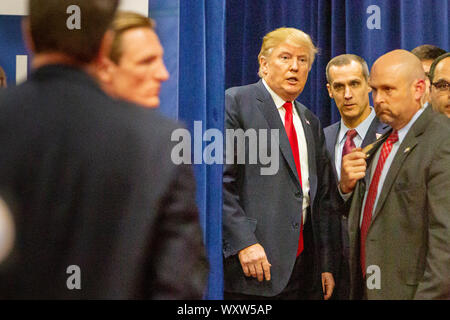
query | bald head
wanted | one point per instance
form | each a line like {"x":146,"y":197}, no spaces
{"x":403,"y":63}
{"x":397,"y":80}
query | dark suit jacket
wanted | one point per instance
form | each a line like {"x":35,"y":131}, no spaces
{"x":266,"y":209}
{"x":408,"y":238}
{"x":340,"y":231}
{"x":92,"y":184}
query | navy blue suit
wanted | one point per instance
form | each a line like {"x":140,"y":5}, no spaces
{"x":342,"y":248}
{"x":91,"y":183}
{"x":267,"y":209}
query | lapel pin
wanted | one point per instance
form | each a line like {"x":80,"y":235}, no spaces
{"x":307,"y":122}
{"x":407,"y":150}
{"x":378,"y":135}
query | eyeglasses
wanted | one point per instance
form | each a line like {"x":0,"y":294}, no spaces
{"x":442,"y":85}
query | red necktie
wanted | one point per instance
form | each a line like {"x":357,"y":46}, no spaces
{"x":292,"y":135}
{"x":349,"y":145}
{"x":372,"y":195}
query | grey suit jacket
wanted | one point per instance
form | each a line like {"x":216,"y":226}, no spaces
{"x":409,"y":236}
{"x":266,"y":209}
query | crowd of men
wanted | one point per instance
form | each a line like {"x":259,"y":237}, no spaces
{"x":357,"y":210}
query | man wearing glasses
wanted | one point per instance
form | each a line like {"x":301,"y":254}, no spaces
{"x":440,"y":84}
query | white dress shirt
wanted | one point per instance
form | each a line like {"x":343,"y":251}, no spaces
{"x":302,"y":147}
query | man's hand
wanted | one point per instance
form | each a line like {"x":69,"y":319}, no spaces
{"x":254,"y":262}
{"x":353,"y":168}
{"x":327,"y":285}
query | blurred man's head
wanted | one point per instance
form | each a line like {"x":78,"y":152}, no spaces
{"x":347,"y":77}
{"x":135,"y":69}
{"x":440,"y":84}
{"x":285,"y":59}
{"x":49,"y":33}
{"x":397,"y":80}
{"x":2,"y":78}
{"x":426,"y":54}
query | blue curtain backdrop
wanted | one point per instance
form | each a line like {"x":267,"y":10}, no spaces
{"x":201,"y":98}
{"x":336,"y":27}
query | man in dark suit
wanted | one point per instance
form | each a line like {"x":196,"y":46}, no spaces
{"x":275,"y":226}
{"x":399,"y":219}
{"x":100,"y":210}
{"x":440,"y":84}
{"x":347,"y":77}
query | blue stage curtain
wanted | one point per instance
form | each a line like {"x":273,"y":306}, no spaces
{"x":336,"y":27}
{"x":201,"y":98}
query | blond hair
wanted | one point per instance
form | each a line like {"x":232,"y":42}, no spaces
{"x":281,"y":35}
{"x":123,"y":21}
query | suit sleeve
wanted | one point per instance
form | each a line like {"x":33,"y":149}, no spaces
{"x":330,"y":206}
{"x":435,"y":283}
{"x":180,"y":263}
{"x":238,"y":232}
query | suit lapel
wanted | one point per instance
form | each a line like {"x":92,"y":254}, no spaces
{"x":376,"y":127}
{"x":331,"y":144}
{"x":405,"y":149}
{"x":272,"y":116}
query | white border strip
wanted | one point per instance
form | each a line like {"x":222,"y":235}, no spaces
{"x":14,"y":7}
{"x":21,"y":68}
{"x":139,"y":6}
{"x":20,"y":7}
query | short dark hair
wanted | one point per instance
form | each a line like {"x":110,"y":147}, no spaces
{"x":49,"y":31}
{"x":427,"y":52}
{"x":2,"y":78}
{"x":435,"y":63}
{"x":344,"y":60}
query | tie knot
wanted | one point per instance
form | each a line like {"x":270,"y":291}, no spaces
{"x":288,"y":106}
{"x":351,"y":134}
{"x":393,"y":137}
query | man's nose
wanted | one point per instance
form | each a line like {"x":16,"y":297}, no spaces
{"x":377,"y":97}
{"x":294,"y":65}
{"x":347,"y":92}
{"x":162,"y":74}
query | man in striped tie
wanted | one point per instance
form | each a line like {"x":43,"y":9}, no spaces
{"x":399,"y":220}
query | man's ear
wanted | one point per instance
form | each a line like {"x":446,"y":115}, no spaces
{"x":329,"y":91}
{"x":105,"y":46}
{"x":103,"y":64}
{"x":419,"y":89}
{"x":26,"y":32}
{"x":104,"y":69}
{"x":263,"y":65}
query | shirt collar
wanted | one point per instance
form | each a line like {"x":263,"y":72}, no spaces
{"x":361,"y":129}
{"x":404,"y":131}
